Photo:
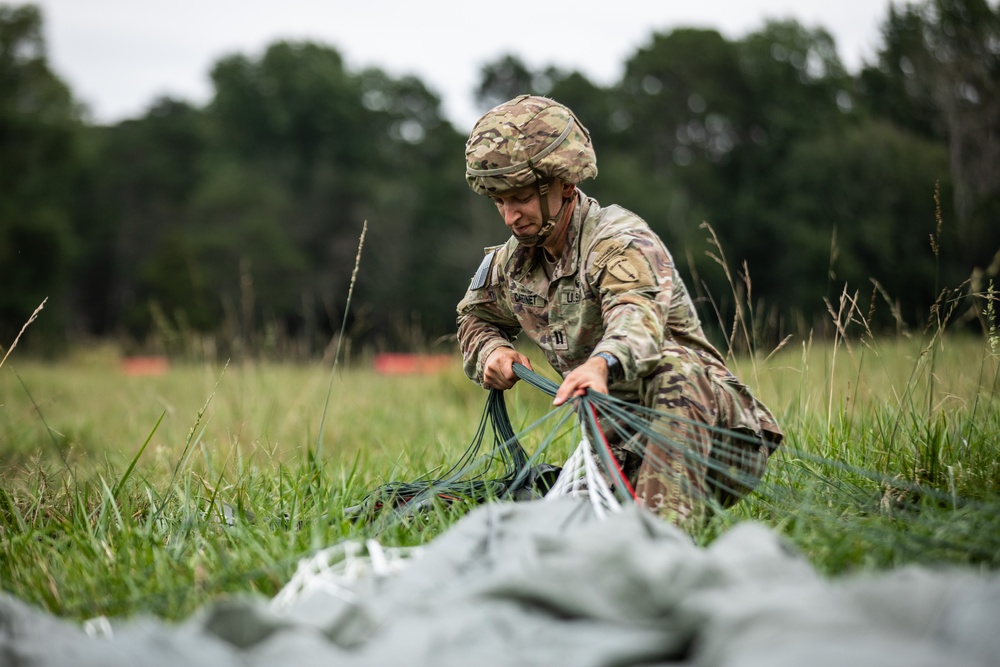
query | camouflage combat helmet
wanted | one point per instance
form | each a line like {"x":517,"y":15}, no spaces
{"x":524,"y":141}
{"x":529,"y":141}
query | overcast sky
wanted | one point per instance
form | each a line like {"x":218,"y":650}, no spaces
{"x":119,"y":55}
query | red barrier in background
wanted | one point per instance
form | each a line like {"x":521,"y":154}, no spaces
{"x":152,"y":365}
{"x":389,"y":363}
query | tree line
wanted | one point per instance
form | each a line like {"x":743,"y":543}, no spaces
{"x":234,"y":226}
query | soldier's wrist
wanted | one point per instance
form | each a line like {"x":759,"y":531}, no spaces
{"x":614,"y":366}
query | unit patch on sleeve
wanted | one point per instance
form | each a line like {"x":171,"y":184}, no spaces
{"x":623,"y":269}
{"x":606,"y":250}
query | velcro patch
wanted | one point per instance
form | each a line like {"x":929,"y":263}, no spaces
{"x":628,"y":271}
{"x":622,"y":269}
{"x":570,"y":296}
{"x":527,"y":299}
{"x":606,"y":250}
{"x":483,"y":272}
{"x":558,"y":338}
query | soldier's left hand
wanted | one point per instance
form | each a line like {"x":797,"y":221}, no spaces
{"x":593,"y":375}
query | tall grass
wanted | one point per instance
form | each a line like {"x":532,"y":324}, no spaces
{"x":895,"y":462}
{"x":114,"y":503}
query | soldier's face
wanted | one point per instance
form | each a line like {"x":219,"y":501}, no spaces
{"x":521,"y":209}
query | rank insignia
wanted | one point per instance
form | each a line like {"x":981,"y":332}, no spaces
{"x":557,"y":336}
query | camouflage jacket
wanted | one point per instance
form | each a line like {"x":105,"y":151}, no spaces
{"x":614,"y":289}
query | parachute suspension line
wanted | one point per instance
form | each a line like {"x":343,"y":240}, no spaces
{"x":535,"y":380}
{"x":614,"y":468}
{"x":582,"y":471}
{"x":466,"y":480}
{"x":336,"y":570}
{"x":711,"y":467}
{"x":664,"y":440}
{"x":581,"y":476}
{"x":475,"y":478}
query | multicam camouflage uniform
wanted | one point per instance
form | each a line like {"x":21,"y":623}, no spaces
{"x":615,"y":289}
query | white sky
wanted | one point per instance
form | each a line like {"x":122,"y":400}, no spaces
{"x":119,"y":55}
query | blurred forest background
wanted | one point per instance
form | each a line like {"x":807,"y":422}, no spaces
{"x":232,"y":228}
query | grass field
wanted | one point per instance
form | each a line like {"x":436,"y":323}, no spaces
{"x":112,"y":484}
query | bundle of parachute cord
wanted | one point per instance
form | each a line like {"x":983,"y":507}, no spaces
{"x":507,"y":472}
{"x":800,"y":487}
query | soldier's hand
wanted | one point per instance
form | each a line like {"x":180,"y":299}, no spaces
{"x":593,"y":374}
{"x":498,"y":371}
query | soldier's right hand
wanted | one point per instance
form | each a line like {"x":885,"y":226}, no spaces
{"x":498,"y":371}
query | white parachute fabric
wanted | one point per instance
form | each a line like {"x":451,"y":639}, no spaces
{"x":546,"y":583}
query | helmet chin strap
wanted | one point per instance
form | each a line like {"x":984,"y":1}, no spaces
{"x":548,"y":223}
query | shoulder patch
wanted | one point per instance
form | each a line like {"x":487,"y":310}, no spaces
{"x":606,"y":250}
{"x":482,"y":275}
{"x":622,"y":269}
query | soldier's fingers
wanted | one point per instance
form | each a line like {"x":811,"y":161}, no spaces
{"x":501,"y":377}
{"x":568,"y":388}
{"x":499,"y":383}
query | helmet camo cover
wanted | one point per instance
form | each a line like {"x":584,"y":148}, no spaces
{"x":525,"y":140}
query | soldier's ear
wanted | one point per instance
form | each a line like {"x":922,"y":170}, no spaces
{"x":568,"y":189}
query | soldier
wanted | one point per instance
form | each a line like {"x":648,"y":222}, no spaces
{"x":597,"y":291}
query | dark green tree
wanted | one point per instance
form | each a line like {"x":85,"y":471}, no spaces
{"x":420,"y":220}
{"x":860,"y":209}
{"x":244,"y":216}
{"x":306,"y":153}
{"x":940,"y":65}
{"x":143,"y":176}
{"x":38,"y":126}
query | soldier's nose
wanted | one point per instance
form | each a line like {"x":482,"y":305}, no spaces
{"x":510,"y":215}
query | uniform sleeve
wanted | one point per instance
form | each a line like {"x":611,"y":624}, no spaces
{"x":633,"y":275}
{"x":485,"y":320}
